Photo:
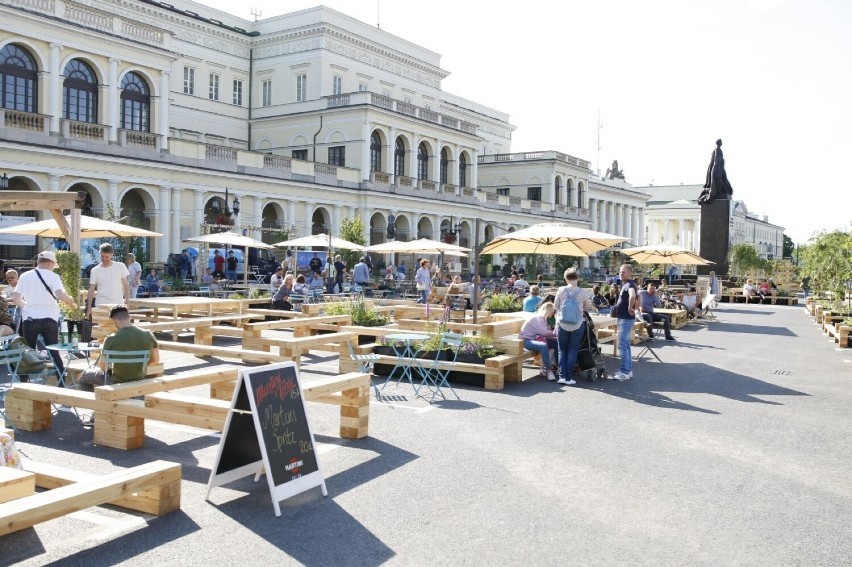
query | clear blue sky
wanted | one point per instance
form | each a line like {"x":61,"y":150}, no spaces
{"x":770,"y":77}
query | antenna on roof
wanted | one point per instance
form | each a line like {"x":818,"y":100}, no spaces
{"x":256,"y":13}
{"x":379,"y":14}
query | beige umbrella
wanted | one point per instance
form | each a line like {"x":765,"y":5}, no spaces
{"x":665,"y":254}
{"x":90,"y":227}
{"x":319,"y":241}
{"x":552,"y":238}
{"x":419,"y":246}
{"x":232,"y":239}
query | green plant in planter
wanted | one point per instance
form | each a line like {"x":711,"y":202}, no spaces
{"x":237,"y":296}
{"x":69,"y":273}
{"x":363,"y":314}
{"x":502,"y":303}
{"x":480,"y":346}
{"x":257,"y":294}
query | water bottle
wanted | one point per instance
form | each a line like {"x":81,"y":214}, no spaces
{"x":74,"y":341}
{"x":63,"y":333}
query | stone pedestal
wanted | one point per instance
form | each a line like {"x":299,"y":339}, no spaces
{"x":715,"y":236}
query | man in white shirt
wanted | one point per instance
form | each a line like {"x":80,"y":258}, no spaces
{"x":36,"y":295}
{"x":109,"y":279}
{"x":134,"y":270}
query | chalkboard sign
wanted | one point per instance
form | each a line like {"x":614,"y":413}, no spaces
{"x":267,"y":430}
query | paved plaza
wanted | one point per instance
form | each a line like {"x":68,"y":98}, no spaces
{"x":734,"y":451}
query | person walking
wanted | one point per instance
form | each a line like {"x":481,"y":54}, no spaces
{"x":571,"y":302}
{"x":423,"y":280}
{"x":625,"y":310}
{"x":36,"y":294}
{"x":134,"y":276}
{"x":185,"y":266}
{"x":339,"y":274}
{"x":109,"y":280}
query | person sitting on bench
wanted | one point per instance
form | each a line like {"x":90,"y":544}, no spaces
{"x":127,"y":337}
{"x":648,"y":300}
{"x":750,"y":292}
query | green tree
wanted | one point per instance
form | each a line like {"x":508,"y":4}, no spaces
{"x":352,"y":229}
{"x":789,"y":246}
{"x":827,"y":260}
{"x":745,"y":260}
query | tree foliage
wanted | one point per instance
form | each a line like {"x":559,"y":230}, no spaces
{"x":789,"y":247}
{"x":827,"y":261}
{"x":352,"y":229}
{"x":745,"y":261}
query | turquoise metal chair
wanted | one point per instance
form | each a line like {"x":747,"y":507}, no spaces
{"x":433,"y":375}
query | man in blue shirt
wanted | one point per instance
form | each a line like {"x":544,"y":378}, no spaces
{"x":361,"y":273}
{"x":648,"y":300}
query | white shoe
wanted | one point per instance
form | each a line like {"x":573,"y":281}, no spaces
{"x":566,"y":382}
{"x":621,"y":376}
{"x":550,"y":376}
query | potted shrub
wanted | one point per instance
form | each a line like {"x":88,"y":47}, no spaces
{"x":69,"y":271}
{"x":502,"y":303}
{"x":363,"y":315}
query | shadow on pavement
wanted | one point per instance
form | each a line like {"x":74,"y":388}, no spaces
{"x":746,"y":311}
{"x":651,"y":380}
{"x":721,"y":326}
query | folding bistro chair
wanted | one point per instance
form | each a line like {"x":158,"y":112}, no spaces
{"x":10,"y":358}
{"x":646,"y":343}
{"x":114,"y":357}
{"x":433,"y":374}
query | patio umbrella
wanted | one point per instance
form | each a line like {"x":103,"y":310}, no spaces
{"x":233,"y":239}
{"x":552,"y":238}
{"x":90,"y":227}
{"x":665,"y":254}
{"x":419,"y":246}
{"x":319,"y":241}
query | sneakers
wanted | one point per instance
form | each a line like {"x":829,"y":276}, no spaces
{"x":670,"y":338}
{"x":551,"y":376}
{"x":566,"y":382}
{"x":622,"y":376}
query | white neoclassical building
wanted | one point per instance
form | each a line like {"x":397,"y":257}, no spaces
{"x":157,"y":109}
{"x":674,"y":217}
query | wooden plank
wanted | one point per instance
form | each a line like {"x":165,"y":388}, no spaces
{"x":331,"y":384}
{"x":172,"y":382}
{"x":27,"y":512}
{"x":298,"y":322}
{"x":15,"y":483}
{"x":223,"y":352}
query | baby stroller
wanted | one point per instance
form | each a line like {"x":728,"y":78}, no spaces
{"x":590,"y":360}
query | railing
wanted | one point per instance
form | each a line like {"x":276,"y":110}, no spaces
{"x":560,"y":208}
{"x":515,"y":201}
{"x":404,"y":181}
{"x":88,"y":16}
{"x":491,"y":198}
{"x":429,"y":115}
{"x":467,"y":127}
{"x":138,"y":139}
{"x":380,"y":177}
{"x":335,"y":101}
{"x":381,"y":101}
{"x":219,"y":153}
{"x":143,"y":33}
{"x":24,"y":120}
{"x":41,"y":5}
{"x":450,"y":188}
{"x":496,"y":158}
{"x":467,"y":191}
{"x":84,"y":130}
{"x":427,"y":185}
{"x":406,"y":108}
{"x":449,"y":121}
{"x":325,"y":169}
{"x":276,"y":162}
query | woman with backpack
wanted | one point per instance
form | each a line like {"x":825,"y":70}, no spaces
{"x":571,"y":302}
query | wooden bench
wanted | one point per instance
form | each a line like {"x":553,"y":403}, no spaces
{"x":177,"y":325}
{"x":153,"y":488}
{"x":840,"y":333}
{"x":203,"y":351}
{"x":350,"y":391}
{"x":292,"y":348}
{"x":302,"y":327}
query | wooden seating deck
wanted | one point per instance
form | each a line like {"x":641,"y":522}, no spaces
{"x":204,"y":351}
{"x":153,"y":488}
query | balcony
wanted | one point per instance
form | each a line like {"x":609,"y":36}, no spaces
{"x":25,"y":121}
{"x":391,"y":104}
{"x":84,"y":131}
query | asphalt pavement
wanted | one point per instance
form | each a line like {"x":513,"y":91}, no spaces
{"x":735,"y":450}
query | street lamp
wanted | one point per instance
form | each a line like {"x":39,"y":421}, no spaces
{"x":235,"y":207}
{"x":4,"y":182}
{"x":449,"y":234}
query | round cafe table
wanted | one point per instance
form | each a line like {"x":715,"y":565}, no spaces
{"x":405,"y":346}
{"x":70,"y":350}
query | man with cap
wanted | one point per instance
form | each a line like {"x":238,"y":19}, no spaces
{"x":109,"y":279}
{"x":36,"y":295}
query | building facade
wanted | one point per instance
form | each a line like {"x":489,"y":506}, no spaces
{"x":153,"y":110}
{"x":674,"y":217}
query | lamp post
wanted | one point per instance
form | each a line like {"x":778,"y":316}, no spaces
{"x":228,"y":212}
{"x":4,"y":182}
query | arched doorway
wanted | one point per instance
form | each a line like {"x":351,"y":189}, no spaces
{"x":272,"y":224}
{"x":320,"y":221}
{"x":378,"y":229}
{"x":93,"y":203}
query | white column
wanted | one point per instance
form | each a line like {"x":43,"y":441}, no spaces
{"x":163,"y":224}
{"x":112,"y":100}
{"x":602,"y":216}
{"x":435,"y":174}
{"x":680,"y":236}
{"x":436,"y":227}
{"x":55,"y":94}
{"x":669,"y":231}
{"x":335,"y":220}
{"x":593,"y":215}
{"x":112,"y":196}
{"x":176,"y":211}
{"x":619,"y":219}
{"x":163,"y":110}
{"x":365,"y":155}
{"x":53,"y":182}
{"x":391,"y":156}
{"x":473,"y":168}
{"x":552,"y":189}
{"x":257,"y":210}
{"x":198,"y":211}
{"x":453,"y":173}
{"x":412,"y":159}
{"x":367,"y":216}
{"x":641,"y":228}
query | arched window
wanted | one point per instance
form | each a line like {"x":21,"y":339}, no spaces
{"x":19,"y":78}
{"x":375,"y":152}
{"x":422,"y":162}
{"x":444,"y":163}
{"x":569,"y":188}
{"x":80,"y":93}
{"x":462,"y":171}
{"x":399,"y":158}
{"x":557,"y":190}
{"x":135,"y":103}
{"x":581,"y":194}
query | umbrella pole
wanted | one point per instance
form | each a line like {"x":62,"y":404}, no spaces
{"x":245,"y":270}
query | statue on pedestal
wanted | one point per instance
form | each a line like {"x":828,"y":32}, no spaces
{"x":716,"y":185}
{"x":613,"y":172}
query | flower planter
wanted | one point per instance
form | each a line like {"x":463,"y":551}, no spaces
{"x":470,"y":378}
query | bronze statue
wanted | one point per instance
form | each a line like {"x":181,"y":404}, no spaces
{"x":716,"y":186}
{"x":613,"y":172}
